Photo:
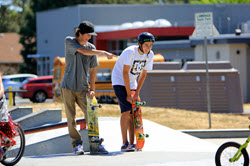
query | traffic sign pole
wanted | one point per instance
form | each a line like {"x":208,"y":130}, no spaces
{"x":204,"y":28}
{"x":207,"y":83}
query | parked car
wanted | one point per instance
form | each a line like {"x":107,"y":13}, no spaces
{"x":38,"y":89}
{"x":15,"y":81}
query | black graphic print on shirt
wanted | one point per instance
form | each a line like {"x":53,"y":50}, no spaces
{"x":137,"y":67}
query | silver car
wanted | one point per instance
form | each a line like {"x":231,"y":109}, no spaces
{"x":15,"y":81}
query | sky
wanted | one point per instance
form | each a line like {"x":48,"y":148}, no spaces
{"x":6,"y":2}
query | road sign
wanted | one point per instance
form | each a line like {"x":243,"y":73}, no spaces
{"x":204,"y":28}
{"x":204,"y":24}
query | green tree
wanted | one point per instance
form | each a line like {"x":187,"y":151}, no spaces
{"x":28,"y":28}
{"x":28,"y":40}
{"x":219,"y":1}
{"x":9,"y":19}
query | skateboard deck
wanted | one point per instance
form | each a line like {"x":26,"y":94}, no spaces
{"x":140,"y":136}
{"x":93,"y":129}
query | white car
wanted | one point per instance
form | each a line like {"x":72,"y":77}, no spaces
{"x":15,"y":81}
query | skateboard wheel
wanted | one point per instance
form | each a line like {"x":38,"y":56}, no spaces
{"x":100,"y":106}
{"x":93,"y":139}
{"x":140,"y":135}
{"x":147,"y":135}
{"x":93,"y":108}
{"x":144,"y":103}
{"x":101,"y":140}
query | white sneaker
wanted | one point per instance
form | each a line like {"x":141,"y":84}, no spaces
{"x":79,"y":150}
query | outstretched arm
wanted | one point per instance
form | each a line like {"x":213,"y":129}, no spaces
{"x":92,"y":52}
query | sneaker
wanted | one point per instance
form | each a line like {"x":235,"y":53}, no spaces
{"x":79,"y":150}
{"x":134,"y":146}
{"x":102,"y":150}
{"x":124,"y":147}
{"x":127,"y":148}
{"x":131,"y":148}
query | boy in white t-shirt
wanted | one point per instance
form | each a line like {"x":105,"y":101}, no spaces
{"x":133,"y":62}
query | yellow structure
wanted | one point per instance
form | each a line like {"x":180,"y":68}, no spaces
{"x":10,"y":96}
{"x":58,"y":73}
{"x":103,"y":85}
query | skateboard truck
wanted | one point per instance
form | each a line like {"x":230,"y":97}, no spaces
{"x":95,"y":139}
{"x":140,"y":103}
{"x":137,"y":104}
{"x":143,"y":135}
{"x":95,"y":105}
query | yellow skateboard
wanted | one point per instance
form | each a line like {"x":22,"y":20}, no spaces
{"x":93,"y":129}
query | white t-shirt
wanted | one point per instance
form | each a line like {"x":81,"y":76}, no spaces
{"x":130,"y":56}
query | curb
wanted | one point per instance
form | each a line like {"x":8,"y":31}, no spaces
{"x":218,"y":133}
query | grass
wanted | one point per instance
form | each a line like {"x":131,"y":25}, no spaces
{"x":173,"y":118}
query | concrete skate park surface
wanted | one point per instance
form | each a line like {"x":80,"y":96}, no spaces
{"x":164,"y":146}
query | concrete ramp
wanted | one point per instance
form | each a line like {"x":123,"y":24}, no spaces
{"x":161,"y":139}
{"x":40,"y":118}
{"x":55,"y":141}
{"x":19,"y":112}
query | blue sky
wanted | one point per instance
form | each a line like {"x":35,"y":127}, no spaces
{"x":6,"y":2}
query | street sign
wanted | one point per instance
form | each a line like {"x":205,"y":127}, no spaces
{"x":204,"y":28}
{"x":204,"y":24}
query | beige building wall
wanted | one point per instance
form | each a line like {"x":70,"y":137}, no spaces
{"x":218,"y":52}
{"x":238,"y":59}
{"x":235,"y":53}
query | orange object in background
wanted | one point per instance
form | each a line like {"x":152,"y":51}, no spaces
{"x":104,"y":91}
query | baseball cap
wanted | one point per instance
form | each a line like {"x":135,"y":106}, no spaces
{"x":87,"y":27}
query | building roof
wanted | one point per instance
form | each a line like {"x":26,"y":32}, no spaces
{"x":173,"y":44}
{"x":156,"y":31}
{"x":10,"y":48}
{"x":222,"y":39}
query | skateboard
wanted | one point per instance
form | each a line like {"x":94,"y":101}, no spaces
{"x":93,"y":129}
{"x":140,"y":136}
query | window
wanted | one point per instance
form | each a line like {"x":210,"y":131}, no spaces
{"x":48,"y":81}
{"x":217,"y":55}
{"x":104,"y":74}
{"x":57,"y":74}
{"x":37,"y":82}
{"x":18,"y":79}
{"x":117,"y":46}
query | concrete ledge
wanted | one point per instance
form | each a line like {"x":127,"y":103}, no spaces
{"x":40,"y":118}
{"x":80,"y":121}
{"x":19,"y":112}
{"x":219,"y":133}
{"x":56,"y":145}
